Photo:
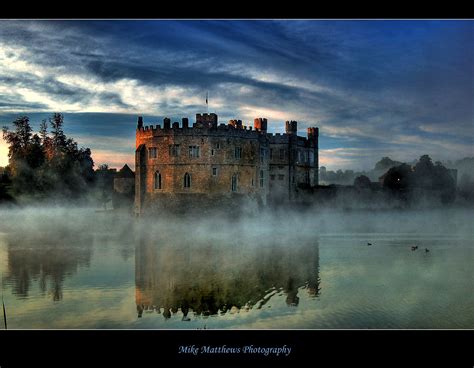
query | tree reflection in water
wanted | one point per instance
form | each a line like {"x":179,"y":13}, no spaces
{"x":48,"y":259}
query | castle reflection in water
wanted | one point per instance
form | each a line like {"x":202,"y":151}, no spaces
{"x":196,"y":275}
{"x":215,"y":277}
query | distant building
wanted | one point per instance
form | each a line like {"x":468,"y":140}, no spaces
{"x":124,"y":180}
{"x":210,"y":164}
{"x":124,"y":188}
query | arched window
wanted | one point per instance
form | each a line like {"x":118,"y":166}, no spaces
{"x":157,"y":180}
{"x":187,"y":180}
{"x":234,"y":183}
{"x":261,"y":178}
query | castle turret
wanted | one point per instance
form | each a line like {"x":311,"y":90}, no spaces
{"x":291,"y":127}
{"x":313,"y":134}
{"x":185,"y":122}
{"x":166,"y":123}
{"x":140,"y":122}
{"x":236,"y":123}
{"x":260,"y":124}
{"x":207,"y":120}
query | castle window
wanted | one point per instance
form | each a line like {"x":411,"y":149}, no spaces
{"x":271,"y":153}
{"x":234,"y":183}
{"x":193,"y":151}
{"x":187,"y":180}
{"x":262,"y":154}
{"x":281,"y":177}
{"x":218,"y":145}
{"x":261,"y":178}
{"x":152,"y":152}
{"x":238,"y":152}
{"x":157,"y":181}
{"x":272,"y":177}
{"x":174,"y":150}
{"x":307,"y":177}
{"x":253,"y":182}
{"x":282,"y":154}
{"x":212,"y":152}
{"x":214,"y":171}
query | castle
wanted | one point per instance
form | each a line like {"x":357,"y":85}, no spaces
{"x":210,"y":164}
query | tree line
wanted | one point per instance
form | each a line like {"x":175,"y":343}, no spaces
{"x":47,"y":163}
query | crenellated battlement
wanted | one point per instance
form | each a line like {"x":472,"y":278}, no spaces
{"x":278,"y":137}
{"x":206,"y":125}
{"x":233,"y":128}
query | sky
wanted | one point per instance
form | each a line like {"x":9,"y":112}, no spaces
{"x":375,"y":88}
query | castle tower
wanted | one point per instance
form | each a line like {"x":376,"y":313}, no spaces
{"x":260,"y":124}
{"x":236,"y":123}
{"x":313,"y":134}
{"x":166,"y":123}
{"x":206,"y":120}
{"x":140,"y":122}
{"x":291,"y":127}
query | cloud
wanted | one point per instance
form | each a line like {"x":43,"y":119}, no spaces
{"x":364,"y":83}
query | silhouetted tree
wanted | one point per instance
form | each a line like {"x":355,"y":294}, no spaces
{"x":425,"y":177}
{"x":43,"y":164}
{"x":362,"y":181}
{"x":398,"y":178}
{"x":385,"y":163}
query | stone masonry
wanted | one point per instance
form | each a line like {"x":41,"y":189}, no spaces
{"x":210,"y":165}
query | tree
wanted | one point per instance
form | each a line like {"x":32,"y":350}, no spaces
{"x":25,"y":155}
{"x":43,"y":130}
{"x":386,"y":163}
{"x":43,"y":164}
{"x":398,"y":178}
{"x":59,"y":138}
{"x":362,"y":181}
{"x":425,"y":179}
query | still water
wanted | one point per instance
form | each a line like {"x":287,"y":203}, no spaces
{"x":77,"y":268}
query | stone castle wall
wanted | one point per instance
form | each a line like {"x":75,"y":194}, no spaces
{"x":225,"y":164}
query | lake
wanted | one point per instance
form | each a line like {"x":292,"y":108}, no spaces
{"x":75,"y":268}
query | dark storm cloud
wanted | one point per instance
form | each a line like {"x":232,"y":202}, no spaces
{"x":395,"y":84}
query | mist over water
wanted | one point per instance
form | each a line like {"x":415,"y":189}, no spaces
{"x":70,"y":267}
